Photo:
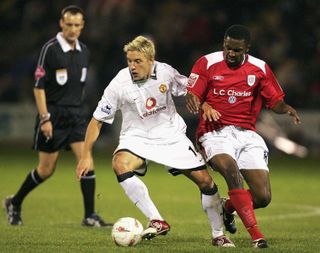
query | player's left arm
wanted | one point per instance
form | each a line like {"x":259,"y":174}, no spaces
{"x":86,"y":162}
{"x":179,"y":82}
{"x":209,"y":113}
{"x":179,"y":88}
{"x":281,"y":108}
{"x":274,"y":96}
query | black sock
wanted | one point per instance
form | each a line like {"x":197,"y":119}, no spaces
{"x":32,"y":181}
{"x":211,"y":191}
{"x":88,"y":185}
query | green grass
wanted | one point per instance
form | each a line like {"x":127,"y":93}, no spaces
{"x":52,"y":213}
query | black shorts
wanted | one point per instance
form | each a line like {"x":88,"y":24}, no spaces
{"x":69,"y":126}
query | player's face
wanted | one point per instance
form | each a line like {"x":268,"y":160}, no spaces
{"x":71,"y":26}
{"x":140,"y":66}
{"x":234,"y":51}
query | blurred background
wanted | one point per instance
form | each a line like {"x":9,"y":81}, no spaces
{"x":285,"y":33}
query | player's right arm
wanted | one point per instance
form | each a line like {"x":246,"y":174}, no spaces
{"x":197,"y":85}
{"x":45,"y":123}
{"x":86,"y":162}
{"x":41,"y":76}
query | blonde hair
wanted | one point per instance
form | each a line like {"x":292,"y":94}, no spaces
{"x":143,"y":45}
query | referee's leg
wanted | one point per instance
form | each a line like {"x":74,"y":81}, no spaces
{"x":46,"y":167}
{"x":88,"y":186}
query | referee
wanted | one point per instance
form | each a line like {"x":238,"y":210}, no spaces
{"x":60,"y":78}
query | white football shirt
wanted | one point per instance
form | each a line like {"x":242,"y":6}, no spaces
{"x":147,"y":108}
{"x":151,"y":127}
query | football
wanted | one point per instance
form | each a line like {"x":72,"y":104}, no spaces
{"x":127,"y":231}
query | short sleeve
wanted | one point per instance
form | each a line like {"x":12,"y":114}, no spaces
{"x":271,"y":90}
{"x":198,"y":81}
{"x":108,"y":104}
{"x":42,"y":69}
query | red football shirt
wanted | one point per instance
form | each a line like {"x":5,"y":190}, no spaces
{"x":238,"y":94}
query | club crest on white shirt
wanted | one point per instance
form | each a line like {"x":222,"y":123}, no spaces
{"x":251,"y":79}
{"x":163,"y":88}
{"x":150,"y":103}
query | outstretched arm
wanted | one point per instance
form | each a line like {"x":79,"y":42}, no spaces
{"x":281,"y":107}
{"x":192,"y":103}
{"x":86,"y":162}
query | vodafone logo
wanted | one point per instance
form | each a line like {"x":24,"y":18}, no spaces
{"x":150,"y":106}
{"x":150,"y":103}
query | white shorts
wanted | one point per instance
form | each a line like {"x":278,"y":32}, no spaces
{"x":246,"y":147}
{"x":179,"y":155}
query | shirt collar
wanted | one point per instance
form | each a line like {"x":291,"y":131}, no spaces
{"x":153,"y":75}
{"x":154,"y":72}
{"x":65,"y":45}
{"x":244,"y":59}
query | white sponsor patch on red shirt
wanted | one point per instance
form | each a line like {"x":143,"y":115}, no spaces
{"x":218,"y":78}
{"x":192,"y":79}
{"x":40,"y":72}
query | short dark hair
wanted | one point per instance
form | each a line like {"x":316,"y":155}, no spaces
{"x":238,"y":32}
{"x":73,"y":9}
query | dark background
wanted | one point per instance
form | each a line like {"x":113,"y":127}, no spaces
{"x":284,"y":33}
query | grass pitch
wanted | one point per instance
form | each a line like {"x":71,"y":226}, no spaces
{"x":52,"y":213}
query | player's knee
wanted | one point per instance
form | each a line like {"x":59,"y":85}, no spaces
{"x":229,"y":170}
{"x":115,"y":165}
{"x":46,"y":171}
{"x":262,"y":201}
{"x":202,"y":178}
{"x":233,"y":178}
{"x":206,"y":183}
{"x":119,"y":165}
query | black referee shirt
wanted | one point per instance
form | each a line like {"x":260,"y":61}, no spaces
{"x":62,"y":72}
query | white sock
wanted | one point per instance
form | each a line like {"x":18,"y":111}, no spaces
{"x":138,"y":193}
{"x":212,"y":205}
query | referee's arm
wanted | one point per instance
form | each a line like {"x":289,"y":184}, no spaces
{"x":40,"y":97}
{"x":44,"y":115}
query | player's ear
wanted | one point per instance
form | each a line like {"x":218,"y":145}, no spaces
{"x":248,"y":48}
{"x":223,"y":45}
{"x":61,"y":23}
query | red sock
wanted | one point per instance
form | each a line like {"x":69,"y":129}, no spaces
{"x":251,"y":197}
{"x":242,"y":202}
{"x":229,"y":207}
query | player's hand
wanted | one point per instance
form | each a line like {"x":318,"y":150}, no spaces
{"x":209,"y":113}
{"x":84,"y":166}
{"x":293,"y":113}
{"x":192,"y":103}
{"x":47,"y":129}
